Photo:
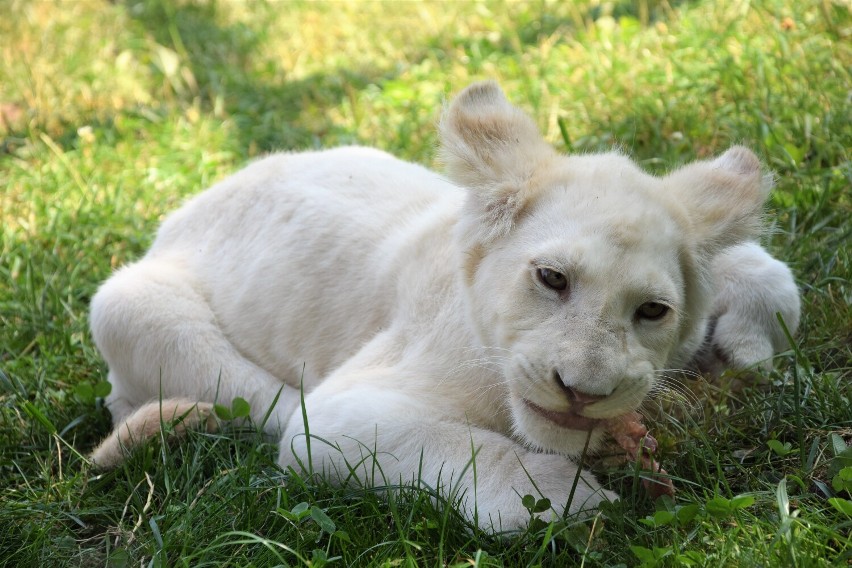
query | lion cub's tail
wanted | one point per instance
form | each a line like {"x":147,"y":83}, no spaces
{"x":146,"y":422}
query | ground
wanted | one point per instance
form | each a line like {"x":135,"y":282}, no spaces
{"x":111,"y":113}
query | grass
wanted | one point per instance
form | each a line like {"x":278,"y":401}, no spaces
{"x":111,"y":113}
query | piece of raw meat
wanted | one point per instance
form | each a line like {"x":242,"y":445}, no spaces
{"x":629,"y":433}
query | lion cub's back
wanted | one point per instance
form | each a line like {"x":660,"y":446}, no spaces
{"x":352,"y":185}
{"x":298,"y":238}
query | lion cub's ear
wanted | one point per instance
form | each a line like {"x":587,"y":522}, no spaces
{"x":724,"y":198}
{"x":494,"y":149}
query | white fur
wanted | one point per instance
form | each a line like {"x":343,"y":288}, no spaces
{"x":411,"y":311}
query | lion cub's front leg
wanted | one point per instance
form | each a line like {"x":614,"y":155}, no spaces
{"x":380,"y":437}
{"x":751,"y":287}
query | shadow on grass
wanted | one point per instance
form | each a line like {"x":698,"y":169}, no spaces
{"x":233,"y":78}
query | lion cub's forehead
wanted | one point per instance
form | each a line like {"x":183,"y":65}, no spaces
{"x":613,"y":197}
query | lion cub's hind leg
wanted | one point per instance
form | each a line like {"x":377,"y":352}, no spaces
{"x":164,"y":346}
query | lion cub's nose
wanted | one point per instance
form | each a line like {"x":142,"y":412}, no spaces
{"x":575,"y":396}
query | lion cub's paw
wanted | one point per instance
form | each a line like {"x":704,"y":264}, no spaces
{"x":751,"y":289}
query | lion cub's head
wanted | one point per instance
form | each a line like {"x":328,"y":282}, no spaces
{"x":590,"y":273}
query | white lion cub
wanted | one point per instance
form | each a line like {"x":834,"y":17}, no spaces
{"x":515,"y":308}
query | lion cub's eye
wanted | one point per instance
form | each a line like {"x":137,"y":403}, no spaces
{"x":652,"y":310}
{"x":552,"y":279}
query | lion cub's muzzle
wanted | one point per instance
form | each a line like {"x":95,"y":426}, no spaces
{"x":576,"y":397}
{"x":570,"y":419}
{"x":587,"y":411}
{"x":574,"y":418}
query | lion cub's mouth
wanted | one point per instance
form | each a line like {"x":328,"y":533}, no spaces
{"x":567,"y":419}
